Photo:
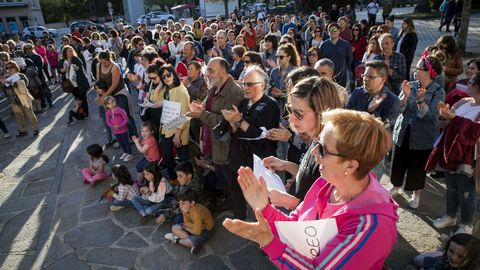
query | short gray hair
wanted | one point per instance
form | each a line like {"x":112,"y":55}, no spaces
{"x":326,"y":62}
{"x":260,"y":72}
{"x":384,"y":36}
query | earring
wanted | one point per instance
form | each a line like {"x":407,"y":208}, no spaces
{"x":345,"y":172}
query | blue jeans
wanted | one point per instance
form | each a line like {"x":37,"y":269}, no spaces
{"x":167,"y":154}
{"x":101,"y":112}
{"x":141,"y":164}
{"x":146,"y":207}
{"x":122,"y":102}
{"x":123,"y":141}
{"x":125,"y":203}
{"x":460,"y":194}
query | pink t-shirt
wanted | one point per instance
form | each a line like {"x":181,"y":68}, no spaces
{"x":153,"y":152}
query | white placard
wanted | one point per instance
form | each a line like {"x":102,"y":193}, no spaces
{"x":307,"y":237}
{"x":272,"y":180}
{"x":177,"y":121}
{"x":12,"y":79}
{"x":171,"y":109}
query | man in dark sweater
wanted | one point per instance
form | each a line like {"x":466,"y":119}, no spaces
{"x":249,"y":124}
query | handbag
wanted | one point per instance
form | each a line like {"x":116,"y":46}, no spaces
{"x":67,"y":86}
{"x":145,"y":114}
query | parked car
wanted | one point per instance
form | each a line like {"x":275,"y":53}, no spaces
{"x":86,"y":24}
{"x":37,"y":31}
{"x":155,"y":17}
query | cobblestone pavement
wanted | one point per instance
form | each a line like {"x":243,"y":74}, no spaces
{"x":49,"y":219}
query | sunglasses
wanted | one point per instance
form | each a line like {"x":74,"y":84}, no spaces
{"x":333,"y":30}
{"x":250,"y":84}
{"x":317,"y":31}
{"x":247,"y":61}
{"x":420,"y":69}
{"x":281,"y":56}
{"x":297,"y":113}
{"x":168,"y":75}
{"x":284,"y":42}
{"x":323,"y":152}
{"x":153,"y":78}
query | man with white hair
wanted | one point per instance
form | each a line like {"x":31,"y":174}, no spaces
{"x":249,"y":124}
{"x":396,"y":63}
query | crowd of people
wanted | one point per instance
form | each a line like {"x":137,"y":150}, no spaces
{"x":323,"y":98}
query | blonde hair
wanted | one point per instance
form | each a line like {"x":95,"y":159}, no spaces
{"x":107,"y":100}
{"x":359,"y":136}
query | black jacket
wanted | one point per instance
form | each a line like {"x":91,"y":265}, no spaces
{"x":408,"y":46}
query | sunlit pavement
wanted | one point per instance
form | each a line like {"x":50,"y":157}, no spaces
{"x":50,"y":219}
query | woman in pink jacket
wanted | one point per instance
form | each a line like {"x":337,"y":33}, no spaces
{"x":351,"y":144}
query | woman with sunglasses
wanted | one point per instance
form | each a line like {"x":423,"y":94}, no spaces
{"x":313,"y":55}
{"x":350,"y":145}
{"x":153,"y":101}
{"x":316,"y":39}
{"x":14,"y":85}
{"x":175,"y":47}
{"x":308,"y":99}
{"x":454,"y":63}
{"x":359,"y":45}
{"x":416,"y":128}
{"x":175,"y":137}
{"x":250,"y":59}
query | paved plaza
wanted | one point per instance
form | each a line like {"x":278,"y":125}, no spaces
{"x":49,"y":219}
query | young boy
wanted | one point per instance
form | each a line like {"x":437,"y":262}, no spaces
{"x":78,"y":112}
{"x":198,"y":222}
{"x":187,"y":178}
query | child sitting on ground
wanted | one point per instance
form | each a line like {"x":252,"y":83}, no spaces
{"x":96,"y":165}
{"x":462,"y":252}
{"x":148,"y":146}
{"x":155,"y":195}
{"x":78,"y":112}
{"x":198,"y":222}
{"x":117,"y":120}
{"x":126,"y":191}
{"x":187,"y":178}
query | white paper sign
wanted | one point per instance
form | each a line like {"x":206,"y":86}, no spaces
{"x":171,"y":109}
{"x":307,"y":237}
{"x":177,"y":121}
{"x":12,"y":79}
{"x":272,"y":180}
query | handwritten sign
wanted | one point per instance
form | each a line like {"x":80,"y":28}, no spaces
{"x":177,"y":121}
{"x":171,"y":109}
{"x":272,"y":180}
{"x":307,"y":237}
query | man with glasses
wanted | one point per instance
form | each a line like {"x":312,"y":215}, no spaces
{"x":395,"y":61}
{"x":223,"y":49}
{"x":340,"y":52}
{"x":249,"y":124}
{"x":374,"y":96}
{"x":223,"y":94}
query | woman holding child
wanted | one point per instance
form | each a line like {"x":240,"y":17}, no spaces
{"x":351,"y":144}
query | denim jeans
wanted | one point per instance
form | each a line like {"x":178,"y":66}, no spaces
{"x":167,"y":154}
{"x":123,"y":141}
{"x":101,"y":112}
{"x":146,"y":207}
{"x":125,"y":203}
{"x":460,"y":194}
{"x":122,"y":102}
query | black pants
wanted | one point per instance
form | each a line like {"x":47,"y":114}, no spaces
{"x":411,"y":162}
{"x":167,"y":155}
{"x":75,"y":115}
{"x":3,"y":127}
{"x":372,"y":19}
{"x":239,"y":204}
{"x":82,"y":95}
{"x":446,"y":22}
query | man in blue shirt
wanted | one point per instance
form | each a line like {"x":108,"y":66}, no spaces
{"x":340,"y":52}
{"x":374,"y":97}
{"x":288,"y":24}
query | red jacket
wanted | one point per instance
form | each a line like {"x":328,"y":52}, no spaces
{"x":182,"y":66}
{"x":457,"y":145}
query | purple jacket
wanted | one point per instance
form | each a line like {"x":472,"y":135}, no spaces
{"x":118,"y":117}
{"x":367,"y":230}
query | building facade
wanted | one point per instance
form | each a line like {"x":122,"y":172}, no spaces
{"x":15,"y":15}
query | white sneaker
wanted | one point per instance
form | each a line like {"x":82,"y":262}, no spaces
{"x":462,"y":228}
{"x":116,"y":145}
{"x":394,"y":191}
{"x":414,"y":202}
{"x":171,"y":237}
{"x":445,"y":221}
{"x":128,"y":157}
{"x":6,"y":135}
{"x":114,"y":208}
{"x":123,"y":156}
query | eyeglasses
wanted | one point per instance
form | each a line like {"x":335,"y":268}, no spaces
{"x":284,"y":42}
{"x":167,"y":75}
{"x":323,"y":152}
{"x":247,"y":61}
{"x":153,"y":78}
{"x":8,"y":68}
{"x":141,"y":44}
{"x":379,"y":32}
{"x":370,"y":77}
{"x":420,"y":69}
{"x":281,"y":56}
{"x":333,"y":30}
{"x":297,"y":113}
{"x":250,"y":84}
{"x":176,"y":36}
